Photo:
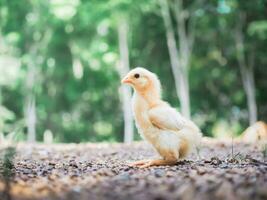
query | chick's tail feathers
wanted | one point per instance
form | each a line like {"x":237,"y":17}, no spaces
{"x":191,"y":139}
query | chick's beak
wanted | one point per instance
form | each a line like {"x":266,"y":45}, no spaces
{"x":126,"y":79}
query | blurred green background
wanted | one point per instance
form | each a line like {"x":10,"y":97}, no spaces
{"x":60,"y":63}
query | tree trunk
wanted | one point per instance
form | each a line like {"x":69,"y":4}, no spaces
{"x":31,"y":118}
{"x":30,"y":103}
{"x":185,"y":45}
{"x":247,"y":76}
{"x":247,"y":71}
{"x":178,"y":65}
{"x":125,"y":92}
{"x":32,"y":71}
{"x":252,"y":105}
{"x":30,"y":110}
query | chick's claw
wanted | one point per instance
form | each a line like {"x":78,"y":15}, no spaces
{"x":139,"y":163}
{"x":150,"y":163}
{"x":146,"y":165}
{"x":159,"y":162}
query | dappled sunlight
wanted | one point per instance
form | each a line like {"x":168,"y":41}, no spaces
{"x":64,"y":9}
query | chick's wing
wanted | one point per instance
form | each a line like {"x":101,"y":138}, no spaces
{"x":167,"y":118}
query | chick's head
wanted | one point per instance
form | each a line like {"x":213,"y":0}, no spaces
{"x":142,"y":80}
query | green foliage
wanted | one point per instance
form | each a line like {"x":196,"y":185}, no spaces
{"x":74,"y":49}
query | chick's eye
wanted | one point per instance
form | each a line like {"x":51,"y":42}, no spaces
{"x":137,"y":75}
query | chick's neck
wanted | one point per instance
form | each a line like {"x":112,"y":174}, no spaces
{"x":151,"y":95}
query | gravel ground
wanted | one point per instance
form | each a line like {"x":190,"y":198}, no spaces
{"x":100,"y":171}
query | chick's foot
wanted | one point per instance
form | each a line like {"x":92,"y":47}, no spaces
{"x":159,"y":162}
{"x":139,"y":163}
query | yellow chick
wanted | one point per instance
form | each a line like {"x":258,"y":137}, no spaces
{"x":171,"y":134}
{"x":255,"y":133}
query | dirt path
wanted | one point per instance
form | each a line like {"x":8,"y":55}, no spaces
{"x":98,"y":171}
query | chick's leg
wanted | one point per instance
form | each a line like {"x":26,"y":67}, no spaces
{"x":159,"y":162}
{"x":170,"y":157}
